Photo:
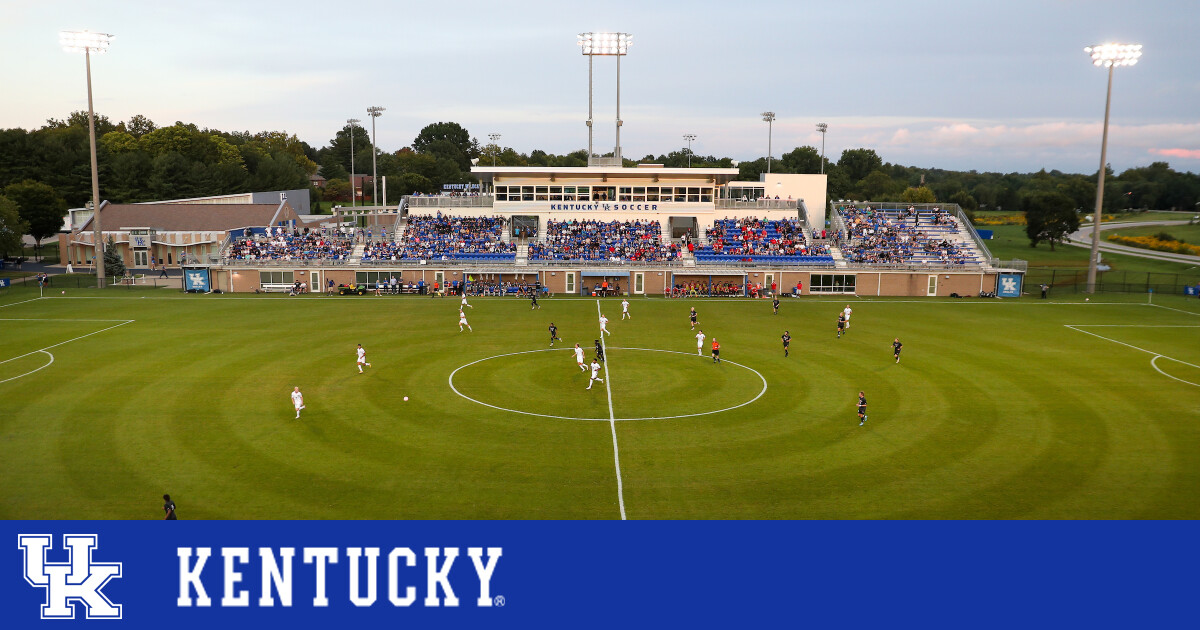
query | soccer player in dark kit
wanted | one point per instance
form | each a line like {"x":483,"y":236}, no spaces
{"x":169,"y":508}
{"x":553,"y":334}
{"x":896,"y":346}
{"x":862,"y":408}
{"x":775,"y":304}
{"x":841,"y":324}
{"x":787,"y":342}
{"x":599,"y":351}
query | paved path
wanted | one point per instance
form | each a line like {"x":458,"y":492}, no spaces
{"x":1083,"y":238}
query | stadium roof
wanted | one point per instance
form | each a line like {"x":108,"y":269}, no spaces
{"x":646,"y":170}
{"x":185,"y":217}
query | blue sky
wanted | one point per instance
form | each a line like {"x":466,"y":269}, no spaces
{"x":960,"y":85}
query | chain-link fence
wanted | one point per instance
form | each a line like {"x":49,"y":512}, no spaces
{"x":1075,"y":280}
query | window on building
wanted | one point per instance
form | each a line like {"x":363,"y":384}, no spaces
{"x":832,"y":283}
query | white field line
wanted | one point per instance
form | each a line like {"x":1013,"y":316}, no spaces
{"x":1178,"y":310}
{"x":31,"y":371}
{"x":612,"y":421}
{"x":690,"y":355}
{"x":61,"y":343}
{"x":21,"y":302}
{"x":56,"y":319}
{"x":1156,"y":356}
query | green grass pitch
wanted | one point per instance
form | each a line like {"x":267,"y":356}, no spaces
{"x":998,"y":409}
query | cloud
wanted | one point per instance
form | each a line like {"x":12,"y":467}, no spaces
{"x":1191,"y":154}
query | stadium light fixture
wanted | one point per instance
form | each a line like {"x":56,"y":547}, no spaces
{"x":769,"y":118}
{"x":374,"y":112}
{"x":1105,"y":56}
{"x":604,"y":45}
{"x":353,"y":188}
{"x":689,"y":137}
{"x":822,"y":128}
{"x":87,"y":43}
{"x":494,"y":137}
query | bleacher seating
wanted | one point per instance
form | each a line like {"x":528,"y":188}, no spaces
{"x":446,"y":237}
{"x":612,"y":241}
{"x":903,"y":237}
{"x":313,"y":246}
{"x":777,"y":241}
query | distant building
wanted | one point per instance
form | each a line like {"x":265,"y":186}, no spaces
{"x":171,"y":231}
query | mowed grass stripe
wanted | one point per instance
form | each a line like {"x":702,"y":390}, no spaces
{"x":996,"y":411}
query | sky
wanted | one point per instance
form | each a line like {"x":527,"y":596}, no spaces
{"x":963,"y":85}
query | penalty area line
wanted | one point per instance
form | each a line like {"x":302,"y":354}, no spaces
{"x":1155,"y":356}
{"x":612,"y":418}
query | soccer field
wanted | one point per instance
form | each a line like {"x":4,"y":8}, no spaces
{"x":998,"y":409}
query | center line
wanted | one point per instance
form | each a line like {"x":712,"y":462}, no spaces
{"x":612,"y":419}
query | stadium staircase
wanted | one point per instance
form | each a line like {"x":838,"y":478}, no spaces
{"x":357,"y":254}
{"x":522,"y":253}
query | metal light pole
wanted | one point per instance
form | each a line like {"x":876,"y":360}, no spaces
{"x":1110,"y":56}
{"x":353,"y":187}
{"x":822,"y":127}
{"x":88,"y":42}
{"x":769,"y":118}
{"x":609,"y":45}
{"x":689,"y":137}
{"x":374,"y":112}
{"x":494,"y":137}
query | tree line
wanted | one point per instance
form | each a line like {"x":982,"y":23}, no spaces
{"x":46,"y":170}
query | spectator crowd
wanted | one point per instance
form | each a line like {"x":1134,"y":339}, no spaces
{"x":615,"y":241}
{"x":752,"y":236}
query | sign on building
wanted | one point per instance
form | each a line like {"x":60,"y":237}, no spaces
{"x":1008,"y":285}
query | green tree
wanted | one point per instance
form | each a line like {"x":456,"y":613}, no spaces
{"x":447,"y":140}
{"x":1049,"y":216}
{"x":921,"y":194}
{"x":79,"y":118}
{"x":118,"y":142}
{"x":801,"y":160}
{"x":138,"y":126}
{"x":965,"y":201}
{"x":12,"y":226}
{"x":114,"y":266}
{"x":860,"y":162}
{"x":336,"y":190}
{"x":40,"y":207}
{"x":878,"y":186}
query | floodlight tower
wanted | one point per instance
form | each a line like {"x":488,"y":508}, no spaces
{"x":822,"y":128}
{"x":374,"y":112}
{"x":689,"y":137}
{"x":769,"y":118}
{"x":353,"y":187}
{"x":494,"y":137}
{"x":1109,"y":56}
{"x":87,"y":43}
{"x":606,"y":45}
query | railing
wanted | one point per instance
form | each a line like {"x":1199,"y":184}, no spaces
{"x":1015,"y":264}
{"x":837,"y":224}
{"x":987,"y":253}
{"x":295,"y":262}
{"x":758,"y":204}
{"x":479,"y":201}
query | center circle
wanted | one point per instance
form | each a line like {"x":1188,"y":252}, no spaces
{"x":553,"y":382}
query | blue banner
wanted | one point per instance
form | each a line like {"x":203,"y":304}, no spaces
{"x":3,"y":282}
{"x":1008,"y":285}
{"x":196,"y":280}
{"x":1190,"y":290}
{"x":305,"y":574}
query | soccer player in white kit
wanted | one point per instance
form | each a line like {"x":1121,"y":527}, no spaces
{"x":847,"y":312}
{"x":595,"y":373}
{"x":700,"y":343}
{"x":579,"y":357}
{"x":462,"y":321}
{"x":362,"y":359}
{"x":625,"y":310}
{"x":604,"y":325}
{"x":464,"y":303}
{"x":297,"y":401}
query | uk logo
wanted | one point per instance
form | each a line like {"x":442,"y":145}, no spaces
{"x":77,"y":581}
{"x":1008,"y":285}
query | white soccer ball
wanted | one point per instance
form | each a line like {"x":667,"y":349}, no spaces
{"x":64,"y":292}
{"x":1087,"y":299}
{"x":406,"y":399}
